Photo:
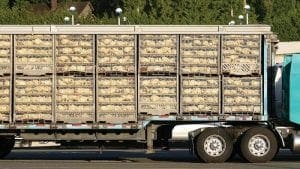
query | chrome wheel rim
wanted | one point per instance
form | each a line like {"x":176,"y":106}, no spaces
{"x":214,"y":145}
{"x":259,"y":145}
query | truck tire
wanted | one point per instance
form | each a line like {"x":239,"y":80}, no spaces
{"x":6,"y":145}
{"x":214,"y":145}
{"x":258,"y":145}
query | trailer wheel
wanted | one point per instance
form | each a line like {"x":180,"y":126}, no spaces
{"x":214,"y":145}
{"x":6,"y":145}
{"x":258,"y":145}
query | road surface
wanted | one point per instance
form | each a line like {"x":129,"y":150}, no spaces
{"x":130,"y":159}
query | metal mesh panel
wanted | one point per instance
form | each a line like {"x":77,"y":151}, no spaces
{"x":242,"y":95}
{"x":199,"y":54}
{"x":241,"y":54}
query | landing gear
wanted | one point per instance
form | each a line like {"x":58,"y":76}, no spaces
{"x":214,"y":145}
{"x":6,"y":145}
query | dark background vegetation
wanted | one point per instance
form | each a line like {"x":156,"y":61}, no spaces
{"x":282,"y":15}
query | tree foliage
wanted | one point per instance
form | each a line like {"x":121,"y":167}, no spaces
{"x":282,"y":15}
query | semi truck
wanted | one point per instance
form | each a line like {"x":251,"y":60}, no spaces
{"x":212,"y":88}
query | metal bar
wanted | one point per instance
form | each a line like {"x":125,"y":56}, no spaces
{"x":11,"y":90}
{"x":178,"y":74}
{"x":94,"y":55}
{"x":54,"y":79}
{"x":265,"y":76}
{"x":136,"y":77}
{"x":134,"y":29}
{"x":96,"y":76}
{"x":14,"y":78}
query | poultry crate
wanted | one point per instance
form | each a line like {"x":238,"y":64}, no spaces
{"x":158,"y":95}
{"x":241,"y":54}
{"x":5,"y":54}
{"x":74,"y":53}
{"x":33,"y":54}
{"x":5,"y":99}
{"x":158,"y":54}
{"x":116,"y":101}
{"x":242,"y":95}
{"x":117,"y":118}
{"x":200,"y":95}
{"x":199,"y":54}
{"x":74,"y":99}
{"x":116,"y":54}
{"x":33,"y":99}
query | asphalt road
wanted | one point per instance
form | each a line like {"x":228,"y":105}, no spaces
{"x":133,"y":159}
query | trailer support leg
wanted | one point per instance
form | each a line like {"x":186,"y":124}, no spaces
{"x":151,"y":134}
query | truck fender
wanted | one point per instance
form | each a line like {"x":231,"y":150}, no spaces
{"x":193,"y":134}
{"x":279,"y":137}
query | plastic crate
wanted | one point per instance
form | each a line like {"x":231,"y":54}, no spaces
{"x":74,"y":98}
{"x":75,"y":116}
{"x":116,"y":89}
{"x":33,"y":98}
{"x":158,"y":95}
{"x":116,"y":112}
{"x":199,"y":54}
{"x":200,"y":95}
{"x":116,"y":117}
{"x":158,"y":54}
{"x":5,"y":99}
{"x":5,"y":54}
{"x":33,"y":54}
{"x":242,"y":95}
{"x":241,"y":54}
{"x":116,"y":96}
{"x":116,"y":53}
{"x":74,"y":53}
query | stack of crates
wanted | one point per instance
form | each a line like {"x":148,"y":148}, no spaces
{"x":75,"y":79}
{"x":199,"y":72}
{"x":5,"y":77}
{"x":33,"y":78}
{"x":116,"y":79}
{"x":241,"y":75}
{"x":158,"y":75}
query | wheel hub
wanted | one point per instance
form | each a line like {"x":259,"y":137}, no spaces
{"x":214,"y":145}
{"x":259,"y":145}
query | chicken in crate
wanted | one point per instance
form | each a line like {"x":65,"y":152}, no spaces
{"x":199,"y":54}
{"x":75,"y":99}
{"x":5,"y":54}
{"x":5,"y":99}
{"x":116,"y":54}
{"x":200,"y":95}
{"x":242,"y":95}
{"x":33,"y":99}
{"x":241,"y":54}
{"x":34,"y":54}
{"x":74,"y":53}
{"x":158,"y":54}
{"x":116,"y":99}
{"x":158,"y":95}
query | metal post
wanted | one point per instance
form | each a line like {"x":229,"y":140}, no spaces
{"x":119,"y":12}
{"x":151,"y":135}
{"x":119,"y":20}
{"x":247,"y":9}
{"x":72,"y":10}
{"x":73,"y":20}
